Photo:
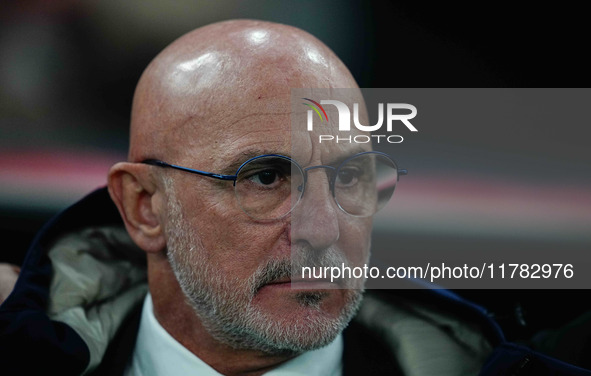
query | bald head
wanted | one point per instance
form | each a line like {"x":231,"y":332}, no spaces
{"x":215,"y":98}
{"x":206,"y":78}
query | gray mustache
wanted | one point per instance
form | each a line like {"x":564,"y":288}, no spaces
{"x":280,"y":269}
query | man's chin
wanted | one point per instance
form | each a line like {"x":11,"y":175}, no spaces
{"x":282,"y":320}
{"x":304,"y":329}
{"x":303,"y":320}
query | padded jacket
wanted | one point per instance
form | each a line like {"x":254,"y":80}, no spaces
{"x":76,"y":306}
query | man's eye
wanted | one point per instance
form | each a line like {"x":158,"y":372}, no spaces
{"x":266,"y":177}
{"x":347,"y":177}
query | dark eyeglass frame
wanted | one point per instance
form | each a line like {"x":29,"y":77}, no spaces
{"x":233,"y":178}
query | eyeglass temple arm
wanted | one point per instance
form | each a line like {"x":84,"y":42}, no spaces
{"x":156,"y":162}
{"x":392,"y":182}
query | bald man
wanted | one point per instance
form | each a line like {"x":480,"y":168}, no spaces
{"x":190,"y":271}
{"x":212,"y":100}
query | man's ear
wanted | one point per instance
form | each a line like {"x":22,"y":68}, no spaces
{"x":138,"y":201}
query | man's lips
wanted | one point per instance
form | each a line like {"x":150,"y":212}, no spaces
{"x":303,"y":283}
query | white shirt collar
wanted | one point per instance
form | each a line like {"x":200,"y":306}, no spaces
{"x":157,"y":353}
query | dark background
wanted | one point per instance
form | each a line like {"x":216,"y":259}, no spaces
{"x":68,"y":70}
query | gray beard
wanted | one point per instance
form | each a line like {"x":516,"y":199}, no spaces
{"x":224,"y":303}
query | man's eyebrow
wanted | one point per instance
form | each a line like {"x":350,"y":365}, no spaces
{"x":237,"y":161}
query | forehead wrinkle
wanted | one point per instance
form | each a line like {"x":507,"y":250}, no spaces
{"x":217,"y":143}
{"x":226,"y":119}
{"x":253,"y":149}
{"x":257,"y":114}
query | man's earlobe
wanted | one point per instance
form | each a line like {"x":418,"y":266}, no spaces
{"x":135,"y":195}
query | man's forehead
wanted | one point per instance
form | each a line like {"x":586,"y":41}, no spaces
{"x":228,"y":84}
{"x":234,"y":127}
{"x":257,"y":123}
{"x":243,"y":131}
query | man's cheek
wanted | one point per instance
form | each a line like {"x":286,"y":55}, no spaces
{"x":355,"y":240}
{"x":239,"y":255}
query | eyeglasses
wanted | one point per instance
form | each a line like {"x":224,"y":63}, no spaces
{"x":269,"y":186}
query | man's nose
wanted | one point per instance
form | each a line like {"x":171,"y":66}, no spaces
{"x":314,"y":219}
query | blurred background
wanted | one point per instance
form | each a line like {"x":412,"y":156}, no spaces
{"x":68,"y":70}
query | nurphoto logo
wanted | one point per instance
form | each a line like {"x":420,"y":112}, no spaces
{"x":395,"y":112}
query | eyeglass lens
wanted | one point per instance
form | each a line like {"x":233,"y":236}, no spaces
{"x":269,"y":187}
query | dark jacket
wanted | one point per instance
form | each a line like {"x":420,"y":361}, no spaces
{"x":76,"y":306}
